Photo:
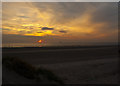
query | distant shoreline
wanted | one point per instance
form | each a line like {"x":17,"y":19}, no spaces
{"x":62,"y":47}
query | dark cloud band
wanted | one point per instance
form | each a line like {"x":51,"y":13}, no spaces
{"x":47,"y":28}
{"x":62,"y":31}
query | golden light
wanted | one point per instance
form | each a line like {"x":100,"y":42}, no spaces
{"x":40,"y":41}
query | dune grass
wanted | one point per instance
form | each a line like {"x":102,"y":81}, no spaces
{"x":30,"y":72}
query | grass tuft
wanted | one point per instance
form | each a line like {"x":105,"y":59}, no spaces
{"x":28,"y":71}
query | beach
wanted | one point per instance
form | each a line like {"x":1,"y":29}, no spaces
{"x":91,"y":65}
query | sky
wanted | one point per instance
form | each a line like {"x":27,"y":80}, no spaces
{"x":59,"y":23}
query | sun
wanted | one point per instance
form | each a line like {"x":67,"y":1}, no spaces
{"x":40,"y":41}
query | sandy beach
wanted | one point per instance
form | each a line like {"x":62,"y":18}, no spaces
{"x":74,"y":66}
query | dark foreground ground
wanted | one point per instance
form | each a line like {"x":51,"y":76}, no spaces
{"x":89,"y":65}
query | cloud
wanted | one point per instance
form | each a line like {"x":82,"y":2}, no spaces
{"x":85,"y":21}
{"x":39,"y":32}
{"x":62,"y":12}
{"x":23,"y":16}
{"x":5,"y":29}
{"x":47,"y":28}
{"x":62,"y":31}
{"x":12,"y":38}
{"x":82,"y":14}
{"x":106,"y":13}
{"x":29,"y":31}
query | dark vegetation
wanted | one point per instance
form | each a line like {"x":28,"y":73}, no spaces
{"x":30,"y":72}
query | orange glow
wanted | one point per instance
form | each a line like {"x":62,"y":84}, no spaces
{"x":40,"y":41}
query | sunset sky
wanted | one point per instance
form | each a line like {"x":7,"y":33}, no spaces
{"x":59,"y":23}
